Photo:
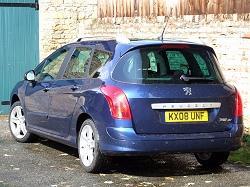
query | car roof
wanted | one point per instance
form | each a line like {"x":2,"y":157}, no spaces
{"x":109,"y":42}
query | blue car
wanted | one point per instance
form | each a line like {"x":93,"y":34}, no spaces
{"x":111,"y":96}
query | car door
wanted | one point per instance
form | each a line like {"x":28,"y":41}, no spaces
{"x":37,"y":95}
{"x":66,"y":91}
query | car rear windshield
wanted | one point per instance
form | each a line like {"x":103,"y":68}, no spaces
{"x":168,"y":64}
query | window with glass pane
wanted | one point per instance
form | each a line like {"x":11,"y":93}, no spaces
{"x":52,"y":66}
{"x":100,"y":58}
{"x":160,"y":65}
{"x":78,"y":63}
{"x":177,"y":61}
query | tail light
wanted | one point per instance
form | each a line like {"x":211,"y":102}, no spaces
{"x":118,"y":102}
{"x":238,"y":104}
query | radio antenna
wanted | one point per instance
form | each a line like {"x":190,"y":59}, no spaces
{"x":161,"y":37}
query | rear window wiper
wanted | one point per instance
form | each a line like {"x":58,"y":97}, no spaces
{"x":186,"y":79}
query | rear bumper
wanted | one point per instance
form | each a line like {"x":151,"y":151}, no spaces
{"x":124,"y":141}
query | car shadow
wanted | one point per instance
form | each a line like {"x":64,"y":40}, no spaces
{"x":147,"y":166}
{"x":58,"y":146}
{"x":162,"y":166}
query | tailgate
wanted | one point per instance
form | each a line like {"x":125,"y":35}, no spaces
{"x":165,"y":109}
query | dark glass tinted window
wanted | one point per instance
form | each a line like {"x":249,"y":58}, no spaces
{"x":100,"y":58}
{"x":78,"y":63}
{"x":167,"y":66}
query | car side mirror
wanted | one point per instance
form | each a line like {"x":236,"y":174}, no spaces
{"x":30,"y":76}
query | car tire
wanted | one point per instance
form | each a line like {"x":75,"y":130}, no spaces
{"x":212,"y":159}
{"x":92,"y":160}
{"x":17,"y":124}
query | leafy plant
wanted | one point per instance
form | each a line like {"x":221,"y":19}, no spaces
{"x":242,"y":155}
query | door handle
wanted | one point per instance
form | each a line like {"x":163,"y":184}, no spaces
{"x":74,"y":88}
{"x":46,"y":89}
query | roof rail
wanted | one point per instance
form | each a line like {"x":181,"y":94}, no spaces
{"x":118,"y":38}
{"x":185,"y":39}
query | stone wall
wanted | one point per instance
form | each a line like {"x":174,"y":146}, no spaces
{"x":60,"y":21}
{"x":63,"y":20}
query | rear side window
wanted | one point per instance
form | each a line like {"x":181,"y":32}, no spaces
{"x":100,"y":58}
{"x":164,"y":65}
{"x":78,"y":63}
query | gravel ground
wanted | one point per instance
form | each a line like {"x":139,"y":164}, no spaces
{"x":49,"y":164}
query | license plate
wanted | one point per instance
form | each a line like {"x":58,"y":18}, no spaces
{"x":186,"y":116}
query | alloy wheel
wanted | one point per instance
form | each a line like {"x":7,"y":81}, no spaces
{"x":87,"y":145}
{"x":17,"y":122}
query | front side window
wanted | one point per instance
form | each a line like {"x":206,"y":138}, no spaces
{"x":50,"y":69}
{"x":78,"y":63}
{"x":166,"y":65}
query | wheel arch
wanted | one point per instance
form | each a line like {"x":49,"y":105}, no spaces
{"x":14,"y":99}
{"x":82,"y":117}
